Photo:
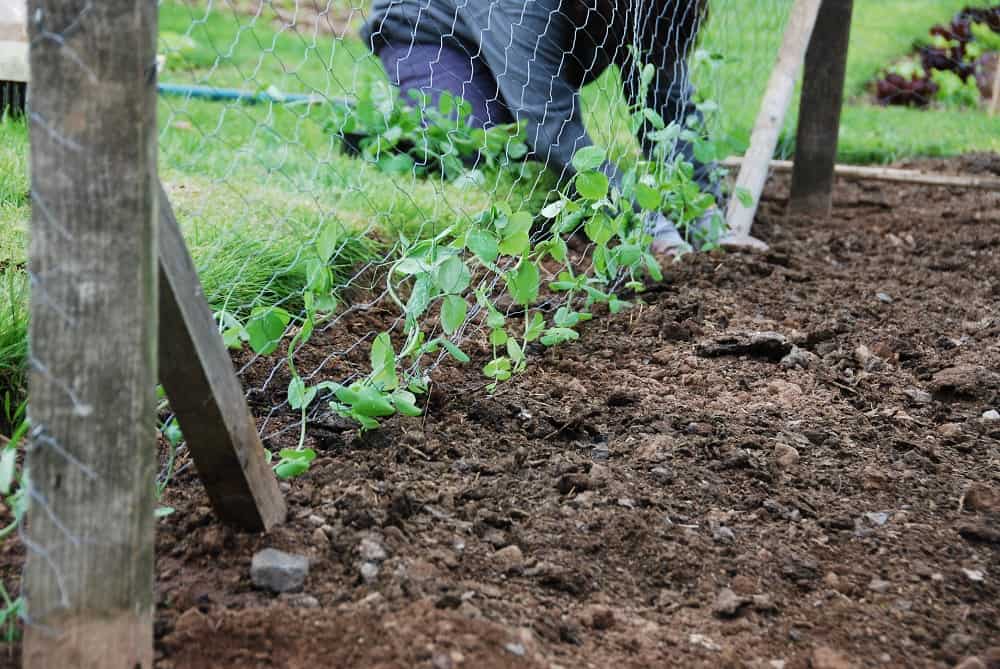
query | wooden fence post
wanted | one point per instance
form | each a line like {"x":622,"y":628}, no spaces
{"x":204,"y":392}
{"x":770,"y":121}
{"x":819,"y":111}
{"x":88,"y":580}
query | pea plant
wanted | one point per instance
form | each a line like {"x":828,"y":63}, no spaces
{"x":423,"y":138}
{"x":441,"y":284}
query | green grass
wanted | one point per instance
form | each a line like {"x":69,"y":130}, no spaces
{"x":254,"y":185}
{"x":748,"y":34}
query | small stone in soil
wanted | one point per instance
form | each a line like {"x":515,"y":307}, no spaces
{"x":369,"y":571}
{"x":514,"y":649}
{"x":798,"y":358}
{"x":825,"y":657}
{"x":918,"y":396}
{"x":727,"y":603}
{"x":991,"y":416}
{"x":971,"y":663}
{"x":981,"y":497}
{"x":877,"y":519}
{"x":786,"y":456}
{"x":372,"y":550}
{"x":880,"y":586}
{"x":884,"y":297}
{"x":509,"y":559}
{"x":278,"y":571}
{"x":723,"y":535}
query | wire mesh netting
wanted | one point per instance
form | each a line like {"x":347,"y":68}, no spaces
{"x":402,"y":183}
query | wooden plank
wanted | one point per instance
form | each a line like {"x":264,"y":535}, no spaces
{"x":88,"y":578}
{"x":771,"y":119}
{"x":204,"y":392}
{"x":819,"y":110}
{"x":916,"y":177}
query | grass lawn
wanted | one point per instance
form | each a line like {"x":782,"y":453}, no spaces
{"x":254,"y":185}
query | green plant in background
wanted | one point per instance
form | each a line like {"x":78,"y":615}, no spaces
{"x":953,"y":92}
{"x":424,"y":138}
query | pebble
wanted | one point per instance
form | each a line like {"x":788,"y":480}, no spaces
{"x":974,"y":575}
{"x":727,"y":603}
{"x":877,"y":519}
{"x":798,"y":358}
{"x":369,"y":571}
{"x":950,"y":430}
{"x":884,"y":297}
{"x":662,"y":475}
{"x":880,"y":586}
{"x":786,"y":456}
{"x":597,"y":617}
{"x":825,"y":657}
{"x":318,"y":521}
{"x":509,"y":558}
{"x":319,"y":537}
{"x":723,"y":535}
{"x":971,"y":663}
{"x":301,"y":601}
{"x":981,"y":497}
{"x":278,"y":571}
{"x":991,"y":416}
{"x":918,"y":396}
{"x":372,"y":550}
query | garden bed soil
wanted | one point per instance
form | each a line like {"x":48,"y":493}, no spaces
{"x":665,"y":491}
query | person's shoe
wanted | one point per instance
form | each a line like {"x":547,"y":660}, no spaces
{"x":667,"y":238}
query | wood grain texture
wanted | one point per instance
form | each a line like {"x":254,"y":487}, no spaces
{"x":88,"y":579}
{"x":204,"y":392}
{"x":819,"y":110}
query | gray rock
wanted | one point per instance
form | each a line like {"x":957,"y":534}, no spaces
{"x":514,"y":649}
{"x":918,"y":396}
{"x":877,"y":519}
{"x":884,"y":297}
{"x":727,"y":603}
{"x":371,"y":550}
{"x":278,"y":571}
{"x":723,"y":535}
{"x":991,"y":416}
{"x":879,"y":586}
{"x":509,"y":559}
{"x":798,"y":358}
{"x":369,"y":571}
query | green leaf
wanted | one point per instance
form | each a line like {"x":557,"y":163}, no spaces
{"x":483,"y":244}
{"x":383,"y":359}
{"x":299,"y":396}
{"x":589,"y":158}
{"x":518,"y":223}
{"x":163,"y":511}
{"x":553,"y":210}
{"x":554,"y":336}
{"x":514,"y":350}
{"x":327,"y":241}
{"x":599,"y":228}
{"x":535,"y":327}
{"x":515,"y":245}
{"x":266,"y":327}
{"x":498,"y":337}
{"x":453,"y":312}
{"x":592,"y":185}
{"x":288,"y":469}
{"x":498,"y":368}
{"x":406,"y":403}
{"x":420,"y":298}
{"x":523,"y":283}
{"x":744,"y":196}
{"x":455,"y":351}
{"x":305,"y":454}
{"x":453,"y":276}
{"x":366,"y":401}
{"x":647,"y":197}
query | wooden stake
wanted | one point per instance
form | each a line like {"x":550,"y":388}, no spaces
{"x":88,"y":578}
{"x":916,"y":177}
{"x":204,"y":392}
{"x":819,"y":111}
{"x":771,"y":119}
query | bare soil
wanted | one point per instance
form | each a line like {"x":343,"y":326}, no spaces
{"x":666,"y":491}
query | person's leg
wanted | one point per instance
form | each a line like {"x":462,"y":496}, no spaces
{"x":434,"y":70}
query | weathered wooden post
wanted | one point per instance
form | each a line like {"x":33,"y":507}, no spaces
{"x":770,"y":120}
{"x":819,"y":111}
{"x":88,"y":580}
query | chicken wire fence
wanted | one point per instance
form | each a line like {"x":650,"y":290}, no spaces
{"x":350,"y":232}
